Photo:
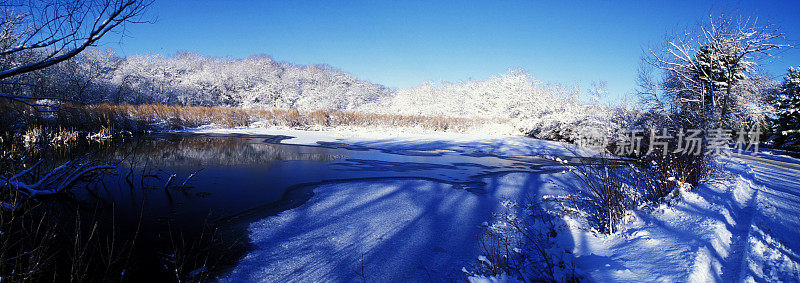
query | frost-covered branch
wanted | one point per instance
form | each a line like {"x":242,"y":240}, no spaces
{"x":59,"y":29}
{"x":710,"y":72}
{"x":58,"y":180}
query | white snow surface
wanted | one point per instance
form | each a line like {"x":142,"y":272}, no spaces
{"x":392,"y":139}
{"x":743,"y":228}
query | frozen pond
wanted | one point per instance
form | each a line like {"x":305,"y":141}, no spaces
{"x":170,"y":190}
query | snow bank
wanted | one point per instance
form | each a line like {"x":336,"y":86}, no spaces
{"x":394,"y":230}
{"x":733,"y":230}
{"x":740,"y":229}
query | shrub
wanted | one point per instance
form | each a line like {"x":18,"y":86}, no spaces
{"x":609,"y":189}
{"x":520,"y":242}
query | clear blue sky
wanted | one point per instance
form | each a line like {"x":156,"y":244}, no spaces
{"x":404,"y":43}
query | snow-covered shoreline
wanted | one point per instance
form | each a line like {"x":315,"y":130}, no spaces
{"x":401,"y":230}
{"x":353,"y":134}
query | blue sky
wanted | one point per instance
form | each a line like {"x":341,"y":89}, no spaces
{"x":404,"y":43}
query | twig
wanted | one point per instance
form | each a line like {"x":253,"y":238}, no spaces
{"x":183,"y":185}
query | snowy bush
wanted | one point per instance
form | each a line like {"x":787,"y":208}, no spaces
{"x":548,"y":111}
{"x":519,"y":243}
{"x":606,"y":191}
{"x":609,"y":187}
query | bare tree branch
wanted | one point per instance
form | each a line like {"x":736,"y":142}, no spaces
{"x":707,"y":70}
{"x":60,"y":27}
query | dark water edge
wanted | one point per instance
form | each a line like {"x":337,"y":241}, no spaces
{"x":178,"y":205}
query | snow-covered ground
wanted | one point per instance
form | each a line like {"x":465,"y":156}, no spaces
{"x":742,"y":228}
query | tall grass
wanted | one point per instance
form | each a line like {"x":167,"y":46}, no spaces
{"x":193,"y":116}
{"x":20,"y":119}
{"x":61,"y":237}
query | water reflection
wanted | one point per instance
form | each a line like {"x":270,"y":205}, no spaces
{"x":181,"y":184}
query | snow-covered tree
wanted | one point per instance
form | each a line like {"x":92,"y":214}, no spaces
{"x":787,"y":125}
{"x":710,"y":73}
{"x":516,"y":99}
{"x":542,"y":110}
{"x":35,"y":35}
{"x":188,"y":78}
{"x":57,"y":30}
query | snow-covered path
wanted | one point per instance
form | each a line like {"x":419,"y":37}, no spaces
{"x":741,"y":229}
{"x":772,"y":242}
